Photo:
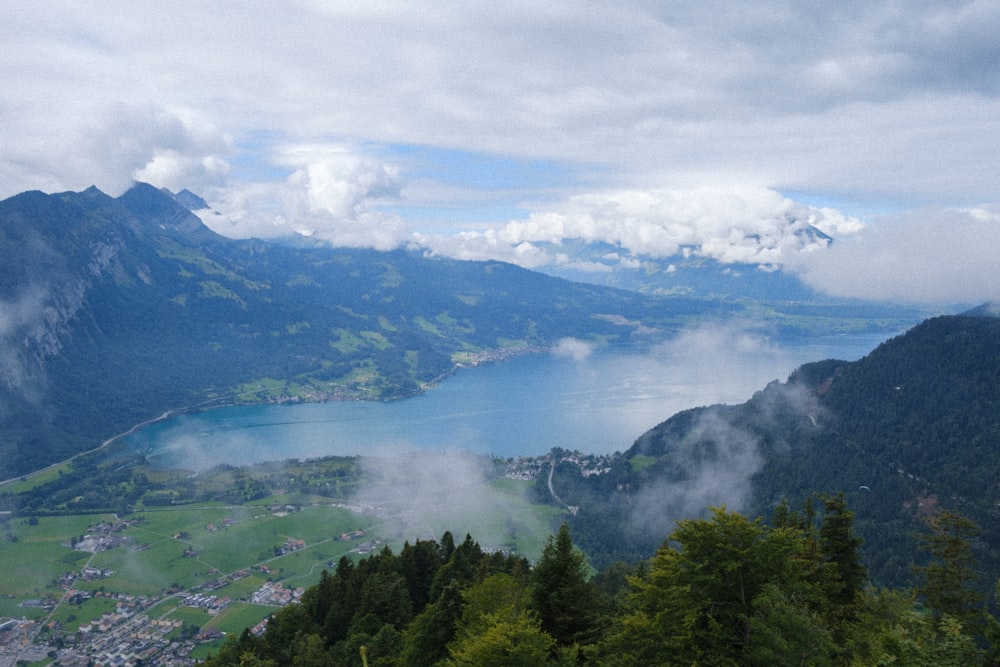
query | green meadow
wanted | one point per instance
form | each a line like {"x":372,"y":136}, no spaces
{"x":167,"y":552}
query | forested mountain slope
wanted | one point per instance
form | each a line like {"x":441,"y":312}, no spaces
{"x":115,"y":310}
{"x":118,"y":309}
{"x":911,"y":428}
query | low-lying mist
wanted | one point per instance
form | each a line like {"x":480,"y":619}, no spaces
{"x":422,"y":493}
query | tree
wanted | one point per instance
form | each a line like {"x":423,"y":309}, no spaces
{"x":516,"y":642}
{"x":722,"y":591}
{"x":948,"y":580}
{"x":310,"y":652}
{"x":841,"y":554}
{"x":426,"y":639}
{"x":843,"y":576}
{"x":567,"y":603}
{"x":788,"y":631}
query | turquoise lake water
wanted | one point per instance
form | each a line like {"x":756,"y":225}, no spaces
{"x":595,"y":403}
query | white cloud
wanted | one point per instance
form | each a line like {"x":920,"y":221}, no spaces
{"x":924,"y":256}
{"x":862,"y":101}
{"x":786,"y":96}
{"x":332,"y":193}
{"x":747,"y":225}
{"x":716,"y":462}
{"x":428,"y":492}
{"x":575,"y":349}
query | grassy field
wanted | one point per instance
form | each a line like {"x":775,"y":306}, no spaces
{"x":183,"y":547}
{"x":32,"y":556}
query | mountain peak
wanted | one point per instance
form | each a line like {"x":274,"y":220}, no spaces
{"x":162,"y":207}
{"x":190,"y":200}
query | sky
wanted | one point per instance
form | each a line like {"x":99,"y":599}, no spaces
{"x":484,"y":130}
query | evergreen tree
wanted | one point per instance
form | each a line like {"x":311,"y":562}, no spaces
{"x":419,"y":563}
{"x":843,"y":576}
{"x":344,"y":586}
{"x":566,"y":602}
{"x":948,"y":580}
{"x":846,"y":575}
{"x":787,"y":630}
{"x":426,"y":639}
{"x":310,"y":652}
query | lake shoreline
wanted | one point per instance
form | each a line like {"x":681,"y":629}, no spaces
{"x":476,"y":359}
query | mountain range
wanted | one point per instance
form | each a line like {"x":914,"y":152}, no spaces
{"x":116,"y":310}
{"x":686,"y":273}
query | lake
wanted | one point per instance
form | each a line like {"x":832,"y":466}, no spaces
{"x":577,"y":398}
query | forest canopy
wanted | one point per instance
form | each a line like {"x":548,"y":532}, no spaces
{"x":721,"y":590}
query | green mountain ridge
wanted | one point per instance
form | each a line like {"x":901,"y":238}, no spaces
{"x":911,"y":428}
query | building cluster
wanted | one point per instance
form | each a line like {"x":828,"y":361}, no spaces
{"x":103,"y":536}
{"x":290,"y":545}
{"x":121,"y":638}
{"x":128,"y":636}
{"x":213,"y":604}
{"x":275,"y":593}
{"x":527,"y":468}
{"x":352,"y":535}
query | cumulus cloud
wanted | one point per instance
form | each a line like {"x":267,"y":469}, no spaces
{"x":926,"y":256}
{"x":113,"y":145}
{"x":860,"y":100}
{"x":332,"y":193}
{"x":732,"y":224}
{"x":153,"y":144}
{"x":778,"y":94}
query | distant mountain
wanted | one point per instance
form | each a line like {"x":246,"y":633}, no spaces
{"x":912,"y":427}
{"x":688,"y":273}
{"x":115,"y":310}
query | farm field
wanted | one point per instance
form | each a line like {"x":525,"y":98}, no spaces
{"x":188,"y":575}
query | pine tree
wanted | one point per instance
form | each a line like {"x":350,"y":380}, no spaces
{"x":948,"y":581}
{"x":566,"y":602}
{"x":843,"y":574}
{"x":426,"y":639}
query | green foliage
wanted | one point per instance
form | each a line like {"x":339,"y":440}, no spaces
{"x":567,"y":603}
{"x":517,"y":642}
{"x":723,"y":590}
{"x":947,"y":582}
{"x":710,"y":586}
{"x":394,"y":605}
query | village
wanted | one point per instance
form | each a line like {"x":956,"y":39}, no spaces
{"x":145,"y":629}
{"x":526,"y":468}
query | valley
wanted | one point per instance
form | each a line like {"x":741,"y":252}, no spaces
{"x":243,"y":482}
{"x":196,"y":558}
{"x":136,"y":301}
